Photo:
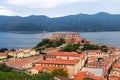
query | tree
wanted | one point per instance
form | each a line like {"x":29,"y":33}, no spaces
{"x":60,"y":72}
{"x":104,"y":48}
{"x":47,"y":43}
{"x":88,"y":78}
{"x":12,"y":50}
{"x":3,"y":49}
{"x":45,"y":76}
{"x":14,"y":75}
{"x":83,"y":41}
{"x":9,"y":56}
{"x":71,"y":47}
{"x":3,"y":66}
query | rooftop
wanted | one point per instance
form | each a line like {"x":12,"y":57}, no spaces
{"x":74,"y":54}
{"x":48,"y":68}
{"x":83,"y":74}
{"x":95,"y":71}
{"x":95,"y":51}
{"x":114,"y":78}
{"x":3,"y":54}
{"x":116,"y":65}
{"x":65,"y":62}
{"x":19,"y":63}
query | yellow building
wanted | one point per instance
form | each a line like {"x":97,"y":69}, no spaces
{"x":23,"y":52}
{"x":3,"y":55}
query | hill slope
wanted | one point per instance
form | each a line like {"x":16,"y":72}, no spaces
{"x":81,"y":22}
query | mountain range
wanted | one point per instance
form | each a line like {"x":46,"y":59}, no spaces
{"x":81,"y":22}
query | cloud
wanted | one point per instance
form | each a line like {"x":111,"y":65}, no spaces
{"x":4,"y":11}
{"x":44,"y":3}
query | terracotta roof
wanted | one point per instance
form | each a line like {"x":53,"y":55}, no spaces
{"x":66,"y":34}
{"x":114,"y":78}
{"x":82,"y":75}
{"x":48,"y":68}
{"x":3,"y":54}
{"x":65,"y":62}
{"x":115,"y":70}
{"x":92,"y":58}
{"x":93,"y":51}
{"x":104,"y":63}
{"x":74,"y":54}
{"x":89,"y":42}
{"x":70,"y":35}
{"x":116,"y":65}
{"x":19,"y":63}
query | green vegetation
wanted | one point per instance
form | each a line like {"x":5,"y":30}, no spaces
{"x":13,"y":75}
{"x":70,"y":48}
{"x":83,"y":47}
{"x":46,"y":43}
{"x":3,"y":49}
{"x":9,"y":56}
{"x":60,"y":72}
{"x":44,"y":76}
{"x":94,"y":47}
{"x":8,"y":74}
{"x":20,"y":75}
{"x":88,"y":79}
{"x":12,"y":49}
{"x":3,"y":67}
{"x":83,"y":23}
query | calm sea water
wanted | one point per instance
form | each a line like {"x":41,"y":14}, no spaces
{"x":17,"y":40}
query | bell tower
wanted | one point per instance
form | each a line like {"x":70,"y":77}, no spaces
{"x":44,"y":35}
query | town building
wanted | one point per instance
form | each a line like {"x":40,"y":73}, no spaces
{"x":3,"y":55}
{"x":96,"y":71}
{"x":84,"y":74}
{"x":40,"y":69}
{"x":97,"y":53}
{"x":115,"y":72}
{"x":23,"y":63}
{"x":65,"y":56}
{"x":23,"y":52}
{"x":104,"y":63}
{"x":73,"y":38}
{"x":73,"y":66}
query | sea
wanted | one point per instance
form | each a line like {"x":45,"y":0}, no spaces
{"x":16,"y":40}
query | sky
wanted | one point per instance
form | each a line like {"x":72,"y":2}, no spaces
{"x":57,"y":8}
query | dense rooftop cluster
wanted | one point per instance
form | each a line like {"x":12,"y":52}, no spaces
{"x":68,"y":57}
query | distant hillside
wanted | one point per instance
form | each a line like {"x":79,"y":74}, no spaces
{"x":81,"y":22}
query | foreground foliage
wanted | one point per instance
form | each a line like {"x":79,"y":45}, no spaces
{"x":60,"y":72}
{"x":8,"y":74}
{"x":88,"y":78}
{"x":13,"y":75}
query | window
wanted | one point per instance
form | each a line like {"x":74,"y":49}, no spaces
{"x":67,"y":57}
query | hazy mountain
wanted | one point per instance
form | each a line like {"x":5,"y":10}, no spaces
{"x":81,"y":22}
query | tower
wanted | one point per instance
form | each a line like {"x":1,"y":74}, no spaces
{"x":44,"y":35}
